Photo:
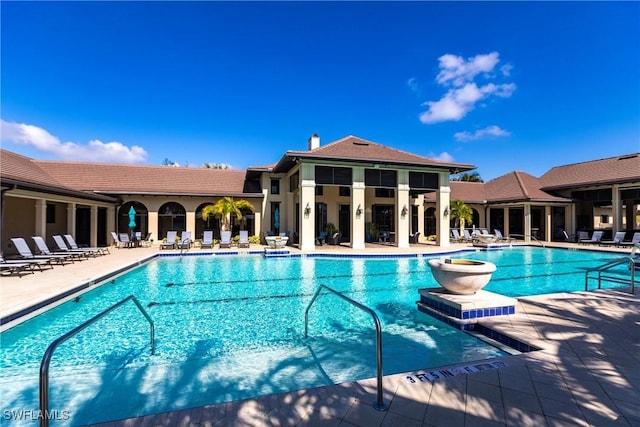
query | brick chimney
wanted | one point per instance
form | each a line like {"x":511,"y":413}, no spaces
{"x":314,"y":142}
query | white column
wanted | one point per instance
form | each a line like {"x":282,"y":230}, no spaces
{"x":111,"y":223}
{"x":191,"y":223}
{"x":420,"y":204}
{"x":548,"y":232}
{"x":527,"y":222}
{"x":40,"y":228}
{"x":358,"y":201}
{"x":505,"y":221}
{"x":403,"y":219}
{"x":93,"y":226}
{"x":71,"y":219}
{"x":443,"y":196}
{"x":307,"y":207}
{"x":617,"y":208}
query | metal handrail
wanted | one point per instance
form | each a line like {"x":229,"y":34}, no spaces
{"x":531,"y":236}
{"x":379,"y":404}
{"x":182,"y":244}
{"x":48,"y":354}
{"x":632,"y":260}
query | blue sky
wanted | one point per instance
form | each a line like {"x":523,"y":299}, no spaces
{"x":503,"y":85}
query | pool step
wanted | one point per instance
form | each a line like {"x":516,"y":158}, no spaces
{"x":464,"y":311}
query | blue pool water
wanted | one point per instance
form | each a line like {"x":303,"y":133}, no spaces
{"x":233,"y":327}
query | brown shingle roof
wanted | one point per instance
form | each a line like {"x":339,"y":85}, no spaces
{"x":107,"y":178}
{"x":356,"y":149}
{"x":468,"y":192}
{"x":619,"y":169}
{"x":518,"y":186}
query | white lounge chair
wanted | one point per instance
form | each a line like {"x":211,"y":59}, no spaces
{"x":466,"y":236}
{"x":44,"y":250}
{"x":25,"y":252}
{"x":125,"y":240}
{"x":19,"y":266}
{"x":170,"y":243}
{"x":635,"y":239}
{"x":244,"y":239}
{"x":74,"y":246}
{"x":62,"y":247}
{"x":617,"y":238}
{"x":225,"y":239}
{"x":595,"y":238}
{"x":500,"y":237}
{"x":456,"y":236}
{"x":185,"y":240}
{"x":207,"y":239}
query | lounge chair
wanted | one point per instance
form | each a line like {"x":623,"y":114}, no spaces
{"x":225,"y":239}
{"x":116,"y":240}
{"x":617,"y":238}
{"x":74,"y":246}
{"x":170,"y":243}
{"x":125,"y":240}
{"x":19,"y":266}
{"x":185,"y":240}
{"x":595,"y":238}
{"x":456,"y":236}
{"x":634,"y":240}
{"x":43,"y":249}
{"x":500,"y":237}
{"x":25,"y":253}
{"x":244,"y":239}
{"x":207,"y":239}
{"x":62,"y":247}
{"x":466,"y":236}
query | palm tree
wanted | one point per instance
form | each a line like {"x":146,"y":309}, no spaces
{"x":224,"y":208}
{"x":469,"y":177}
{"x":462,"y":213}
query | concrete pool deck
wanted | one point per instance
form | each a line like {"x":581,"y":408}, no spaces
{"x":587,"y":372}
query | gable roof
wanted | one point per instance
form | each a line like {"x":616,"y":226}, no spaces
{"x":89,"y":179}
{"x":354,"y":149}
{"x":518,"y":186}
{"x":23,"y":172}
{"x":619,"y":169}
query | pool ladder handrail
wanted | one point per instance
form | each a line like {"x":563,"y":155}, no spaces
{"x":379,"y":404}
{"x":183,"y":244}
{"x":532,"y":237}
{"x":48,"y":354}
{"x":632,"y":259}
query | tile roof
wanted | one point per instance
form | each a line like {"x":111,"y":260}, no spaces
{"x":352,"y":148}
{"x":619,"y":169}
{"x":111,"y":178}
{"x":469,"y":192}
{"x":518,"y":186}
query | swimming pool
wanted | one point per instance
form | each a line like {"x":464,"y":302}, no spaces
{"x":233,"y":327}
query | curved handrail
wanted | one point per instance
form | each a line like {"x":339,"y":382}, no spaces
{"x":48,"y":354}
{"x":632,"y":260}
{"x":379,"y":404}
{"x":532,"y":237}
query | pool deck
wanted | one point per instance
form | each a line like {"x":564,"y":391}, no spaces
{"x":586,"y":373}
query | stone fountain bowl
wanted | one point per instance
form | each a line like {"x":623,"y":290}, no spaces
{"x":461,"y":276}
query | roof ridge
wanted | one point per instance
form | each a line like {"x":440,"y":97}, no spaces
{"x":521,"y":184}
{"x":619,"y":156}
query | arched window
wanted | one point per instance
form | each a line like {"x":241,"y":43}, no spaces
{"x":171,"y":216}
{"x":141,"y":218}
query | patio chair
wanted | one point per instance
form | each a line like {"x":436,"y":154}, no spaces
{"x":335,"y":239}
{"x":43,"y":249}
{"x":500,"y":237}
{"x":634,"y":240}
{"x":244,"y":239}
{"x":25,"y":253}
{"x":466,"y":236}
{"x":170,"y":243}
{"x":185,"y":240}
{"x":413,"y":238}
{"x":62,"y":247}
{"x":73,"y":245}
{"x":207,"y":239}
{"x":321,"y":239}
{"x":456,"y":236}
{"x":595,"y":238}
{"x":225,"y":239}
{"x":617,"y":238}
{"x":126,"y":241}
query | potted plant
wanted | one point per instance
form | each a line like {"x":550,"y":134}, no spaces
{"x":371,"y":232}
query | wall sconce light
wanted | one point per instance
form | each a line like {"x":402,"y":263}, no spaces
{"x":404,"y":211}
{"x":446,"y":211}
{"x":307,"y":210}
{"x":359,"y":210}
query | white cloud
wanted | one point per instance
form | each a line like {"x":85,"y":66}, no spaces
{"x":459,"y":74}
{"x":94,"y":151}
{"x":488,"y":132}
{"x":442,"y":157}
{"x":413,"y":84}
